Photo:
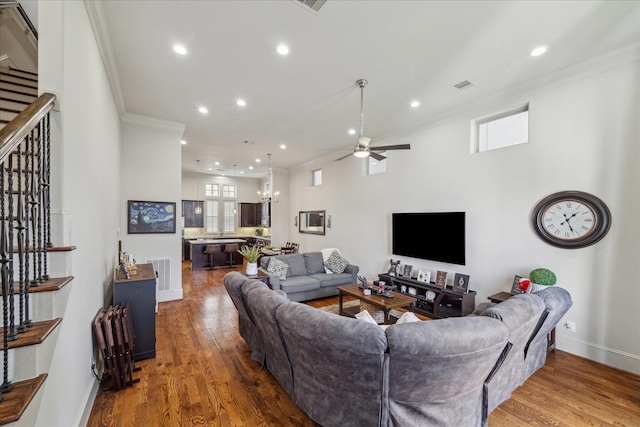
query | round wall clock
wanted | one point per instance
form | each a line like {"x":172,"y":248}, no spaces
{"x":571,"y":219}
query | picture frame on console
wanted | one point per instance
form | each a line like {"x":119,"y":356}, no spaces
{"x":461,"y":283}
{"x":441,"y":279}
{"x":424,"y":276}
{"x":407,"y":270}
{"x":515,"y":286}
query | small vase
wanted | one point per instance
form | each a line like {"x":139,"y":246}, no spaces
{"x":252,"y":269}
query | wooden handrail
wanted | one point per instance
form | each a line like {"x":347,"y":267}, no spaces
{"x":12,"y":134}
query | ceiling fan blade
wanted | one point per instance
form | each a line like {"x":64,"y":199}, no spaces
{"x":378,"y":157}
{"x":392,"y":147}
{"x":343,"y":157}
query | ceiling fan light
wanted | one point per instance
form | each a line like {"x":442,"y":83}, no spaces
{"x":364,"y":141}
{"x":360,"y":152}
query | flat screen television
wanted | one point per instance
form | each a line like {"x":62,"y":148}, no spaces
{"x":436,"y":236}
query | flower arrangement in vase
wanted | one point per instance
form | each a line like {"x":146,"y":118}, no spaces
{"x":251,"y":253}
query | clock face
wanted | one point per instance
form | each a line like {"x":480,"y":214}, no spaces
{"x":571,"y":219}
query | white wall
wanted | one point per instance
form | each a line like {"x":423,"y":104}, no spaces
{"x":150,"y":171}
{"x":85,"y":191}
{"x":583,"y":136}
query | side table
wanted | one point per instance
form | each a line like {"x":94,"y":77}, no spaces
{"x":262,"y":276}
{"x":503,"y":296}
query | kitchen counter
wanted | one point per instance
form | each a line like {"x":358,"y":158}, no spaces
{"x":201,"y":260}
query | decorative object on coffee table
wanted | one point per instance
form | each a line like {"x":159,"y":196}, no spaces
{"x":461,"y":283}
{"x":441,"y":279}
{"x":363,"y":280}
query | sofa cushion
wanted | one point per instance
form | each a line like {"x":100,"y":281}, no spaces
{"x":314,"y":263}
{"x":336,"y":263}
{"x":300,"y":284}
{"x":296,"y":264}
{"x":278,"y":268}
{"x":328,"y":280}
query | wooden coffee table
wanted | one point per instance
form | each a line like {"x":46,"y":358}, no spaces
{"x":383,"y":303}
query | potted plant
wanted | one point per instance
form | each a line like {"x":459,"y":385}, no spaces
{"x":251,"y":253}
{"x":541,"y":278}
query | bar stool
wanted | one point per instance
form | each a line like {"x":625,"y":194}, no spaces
{"x":211,"y":250}
{"x":230,"y":248}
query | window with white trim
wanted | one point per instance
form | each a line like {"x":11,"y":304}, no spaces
{"x":316,"y":177}
{"x":228,"y":191}
{"x":212,"y":190}
{"x":229,"y":217}
{"x":502,"y":130}
{"x":212,"y":222}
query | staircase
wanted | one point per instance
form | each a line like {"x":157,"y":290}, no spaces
{"x":33,"y":302}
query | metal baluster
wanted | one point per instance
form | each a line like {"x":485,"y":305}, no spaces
{"x":40,"y":173}
{"x":33,"y":204}
{"x":20,"y":227}
{"x":4,"y":275}
{"x":9,"y":262}
{"x":27,"y":188}
{"x":47,"y":193}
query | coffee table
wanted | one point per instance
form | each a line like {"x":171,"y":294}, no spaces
{"x":383,"y":303}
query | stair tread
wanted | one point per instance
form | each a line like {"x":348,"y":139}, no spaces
{"x":16,"y":401}
{"x":36,"y":334}
{"x":51,"y":285}
{"x":51,"y":249}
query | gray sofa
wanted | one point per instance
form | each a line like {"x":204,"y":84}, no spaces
{"x":306,"y":278}
{"x":447,"y":372}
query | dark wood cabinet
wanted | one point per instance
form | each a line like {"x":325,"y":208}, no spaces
{"x":444,"y":302}
{"x":140,"y":292}
{"x":189,"y":212}
{"x":250,"y":214}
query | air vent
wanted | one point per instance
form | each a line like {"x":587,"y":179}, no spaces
{"x":463,"y":85}
{"x":315,"y":5}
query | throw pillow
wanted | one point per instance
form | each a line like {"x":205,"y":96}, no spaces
{"x":326,"y":253}
{"x":336,"y":263}
{"x":407,"y":317}
{"x":366,"y":317}
{"x":278,"y":268}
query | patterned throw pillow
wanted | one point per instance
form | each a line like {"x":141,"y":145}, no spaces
{"x":336,"y":263}
{"x":278,"y":268}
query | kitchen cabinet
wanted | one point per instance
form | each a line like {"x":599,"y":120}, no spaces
{"x":191,"y":218}
{"x":250,"y":214}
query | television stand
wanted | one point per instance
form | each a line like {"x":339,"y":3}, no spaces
{"x":445,"y":303}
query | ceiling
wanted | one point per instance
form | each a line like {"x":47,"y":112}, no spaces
{"x":308,"y":99}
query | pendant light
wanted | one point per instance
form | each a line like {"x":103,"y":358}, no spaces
{"x":198,"y":208}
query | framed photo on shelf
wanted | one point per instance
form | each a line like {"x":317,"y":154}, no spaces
{"x":515,"y":286}
{"x":424,"y":276}
{"x":407,"y":270}
{"x":461,"y":283}
{"x":151,"y":217}
{"x":441,"y":279}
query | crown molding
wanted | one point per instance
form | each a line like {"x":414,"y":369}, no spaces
{"x":152,"y":122}
{"x":98,"y":22}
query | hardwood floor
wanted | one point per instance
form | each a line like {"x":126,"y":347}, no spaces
{"x":202,"y":376}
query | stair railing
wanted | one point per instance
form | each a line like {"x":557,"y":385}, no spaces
{"x":25,"y":216}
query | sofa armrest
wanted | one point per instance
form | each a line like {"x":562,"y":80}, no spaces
{"x":274,"y":281}
{"x":353,"y":270}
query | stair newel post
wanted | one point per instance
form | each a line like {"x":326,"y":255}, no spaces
{"x":47,"y":193}
{"x":4,"y":276}
{"x":20,"y":234}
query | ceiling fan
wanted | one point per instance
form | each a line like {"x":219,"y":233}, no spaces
{"x":362,"y":148}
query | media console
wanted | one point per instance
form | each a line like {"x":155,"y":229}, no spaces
{"x":445,"y":302}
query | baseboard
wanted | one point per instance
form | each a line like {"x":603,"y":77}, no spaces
{"x":164,"y":296}
{"x":607,"y":356}
{"x":90,"y":399}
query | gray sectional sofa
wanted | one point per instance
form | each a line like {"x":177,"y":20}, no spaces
{"x":447,"y":372}
{"x":306,"y":278}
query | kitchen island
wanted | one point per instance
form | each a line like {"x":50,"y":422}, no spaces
{"x":201,"y":260}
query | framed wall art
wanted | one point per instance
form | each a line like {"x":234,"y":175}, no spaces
{"x":151,"y":217}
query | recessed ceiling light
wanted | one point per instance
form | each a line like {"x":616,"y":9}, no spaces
{"x":217,"y":163}
{"x":203,"y":110}
{"x":241,"y":103}
{"x":179,"y":49}
{"x":538,"y":51}
{"x":282,"y":50}
{"x":283,"y":146}
{"x":210,"y":169}
{"x":258,"y":160}
{"x":241,"y":172}
{"x":250,"y":167}
{"x":415,"y":104}
{"x":352,"y":131}
{"x":183,"y":142}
